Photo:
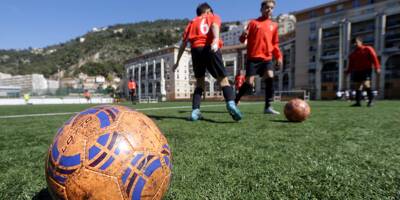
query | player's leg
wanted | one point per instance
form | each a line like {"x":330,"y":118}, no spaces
{"x":217,"y":69}
{"x":359,"y":89}
{"x":229,"y":96}
{"x":131,"y":95}
{"x":199,"y":73}
{"x":134,"y":96}
{"x":370,"y":95}
{"x":269,"y":89}
{"x":248,"y":85}
{"x":367,"y":86}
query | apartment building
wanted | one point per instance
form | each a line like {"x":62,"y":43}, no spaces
{"x":322,"y":43}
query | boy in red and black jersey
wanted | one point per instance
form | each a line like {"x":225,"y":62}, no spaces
{"x":361,"y":63}
{"x":262,"y":47}
{"x":132,"y":90}
{"x":203,"y":34}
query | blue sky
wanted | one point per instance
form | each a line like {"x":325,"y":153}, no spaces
{"x":39,"y":23}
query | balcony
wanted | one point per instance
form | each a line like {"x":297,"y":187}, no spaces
{"x":329,"y":55}
{"x":312,"y":37}
{"x":330,"y":34}
{"x":330,"y":47}
{"x":312,"y":66}
{"x":364,"y":30}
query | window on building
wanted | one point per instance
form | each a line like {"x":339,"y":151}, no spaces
{"x":339,"y":7}
{"x":158,"y":87}
{"x":312,"y":14}
{"x":150,"y":88}
{"x":136,"y":77}
{"x":356,"y":3}
{"x":130,"y":73}
{"x":151,"y":71}
{"x":143,"y":73}
{"x":313,"y":26}
{"x":327,"y":10}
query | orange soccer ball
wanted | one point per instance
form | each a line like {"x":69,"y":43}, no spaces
{"x":297,"y":110}
{"x":109,"y":152}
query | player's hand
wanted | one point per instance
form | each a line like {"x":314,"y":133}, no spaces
{"x":175,"y":66}
{"x":214,"y":46}
{"x":278,"y":64}
{"x":378,"y":71}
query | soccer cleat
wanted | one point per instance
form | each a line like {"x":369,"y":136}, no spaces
{"x":370,"y":104}
{"x":233,"y":110}
{"x":271,"y":111}
{"x":196,"y":115}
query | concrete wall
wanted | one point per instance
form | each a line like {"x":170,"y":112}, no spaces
{"x":43,"y":101}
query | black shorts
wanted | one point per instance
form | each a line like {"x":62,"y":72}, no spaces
{"x":361,"y":76}
{"x":258,"y":67}
{"x":204,"y":58}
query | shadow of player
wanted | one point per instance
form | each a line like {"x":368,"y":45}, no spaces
{"x":160,"y":117}
{"x":281,"y":121}
{"x":203,"y":111}
{"x":42,"y":195}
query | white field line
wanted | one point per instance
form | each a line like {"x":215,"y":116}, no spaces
{"x":140,"y":109}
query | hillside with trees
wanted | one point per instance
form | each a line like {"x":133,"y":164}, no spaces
{"x":95,"y":53}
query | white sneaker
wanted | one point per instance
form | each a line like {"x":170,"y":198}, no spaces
{"x":271,"y":111}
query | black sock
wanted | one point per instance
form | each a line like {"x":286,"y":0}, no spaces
{"x":228,"y":93}
{"x":370,"y":95}
{"x":197,"y":98}
{"x":269,"y":91}
{"x":358,"y":96}
{"x":242,"y":91}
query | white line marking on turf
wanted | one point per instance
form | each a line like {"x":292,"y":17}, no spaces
{"x":140,"y":109}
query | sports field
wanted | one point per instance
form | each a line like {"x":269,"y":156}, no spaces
{"x":339,"y":153}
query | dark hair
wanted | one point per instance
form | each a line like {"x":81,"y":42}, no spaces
{"x":202,"y":8}
{"x":358,"y":38}
{"x":264,"y":3}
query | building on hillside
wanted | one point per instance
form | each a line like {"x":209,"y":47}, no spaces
{"x":153,"y":73}
{"x":10,"y":91}
{"x":4,"y":75}
{"x":155,"y":78}
{"x":231,"y":37}
{"x":36,"y":84}
{"x":323,"y":35}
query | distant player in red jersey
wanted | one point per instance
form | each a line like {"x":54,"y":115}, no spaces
{"x":132,"y":90}
{"x":87,"y":95}
{"x":361,"y":63}
{"x":203,"y":34}
{"x":239,"y":80}
{"x":262,"y":47}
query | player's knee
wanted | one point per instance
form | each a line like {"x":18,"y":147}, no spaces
{"x":268,"y":74}
{"x":250,"y":80}
{"x":200,"y":82}
{"x":367,"y":84}
{"x":223,"y":81}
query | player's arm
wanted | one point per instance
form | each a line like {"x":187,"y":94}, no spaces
{"x":182,"y":46}
{"x":215,"y":30}
{"x":180,"y":53}
{"x":276,"y":51}
{"x":349,"y":65}
{"x":243,"y":37}
{"x":375,"y":60}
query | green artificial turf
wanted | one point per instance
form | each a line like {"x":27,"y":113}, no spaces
{"x":340,"y":152}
